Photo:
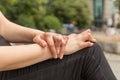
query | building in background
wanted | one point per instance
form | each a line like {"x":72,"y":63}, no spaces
{"x":101,"y":11}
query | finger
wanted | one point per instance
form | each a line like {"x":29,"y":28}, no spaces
{"x":87,"y":37}
{"x":51,"y":45}
{"x":58,"y":42}
{"x":86,"y":31}
{"x":91,"y":38}
{"x":62,"y":51}
{"x":86,"y":44}
{"x":66,"y":39}
{"x":64,"y":42}
{"x":40,"y":41}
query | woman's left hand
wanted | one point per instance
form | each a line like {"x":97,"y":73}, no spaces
{"x":79,"y":41}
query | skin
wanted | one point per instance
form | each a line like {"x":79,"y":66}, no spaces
{"x":56,"y":43}
{"x":34,"y":53}
{"x":17,"y":33}
{"x":14,"y":57}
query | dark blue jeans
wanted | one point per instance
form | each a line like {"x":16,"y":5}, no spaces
{"x":87,"y":64}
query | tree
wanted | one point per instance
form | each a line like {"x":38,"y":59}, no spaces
{"x":29,"y":13}
{"x":117,"y":3}
{"x":71,"y":10}
{"x":52,"y":22}
{"x":34,"y":13}
{"x":20,"y":11}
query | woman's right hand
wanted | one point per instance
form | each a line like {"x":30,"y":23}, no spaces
{"x":79,"y":41}
{"x":55,"y":42}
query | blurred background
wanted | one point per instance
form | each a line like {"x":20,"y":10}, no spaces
{"x":58,"y":15}
{"x":72,"y":16}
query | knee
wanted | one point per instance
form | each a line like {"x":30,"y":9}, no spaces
{"x":94,"y":50}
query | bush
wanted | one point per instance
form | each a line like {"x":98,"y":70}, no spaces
{"x":26,"y":20}
{"x":52,"y":22}
{"x":71,"y":10}
{"x":24,"y":12}
{"x":37,"y":13}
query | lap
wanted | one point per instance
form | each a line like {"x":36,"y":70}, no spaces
{"x":86,"y":64}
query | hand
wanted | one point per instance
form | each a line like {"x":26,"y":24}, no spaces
{"x":79,"y":41}
{"x":55,"y":42}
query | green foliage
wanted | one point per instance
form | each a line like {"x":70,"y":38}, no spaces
{"x":71,"y":10}
{"x":117,"y":4}
{"x":26,"y":20}
{"x":52,"y":22}
{"x":49,"y":22}
{"x":46,"y":14}
{"x":21,"y":11}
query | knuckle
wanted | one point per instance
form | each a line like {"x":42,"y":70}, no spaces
{"x":47,"y":33}
{"x":34,"y":39}
{"x":89,"y":30}
{"x":60,"y":36}
{"x":73,"y":34}
{"x":63,"y":43}
{"x":59,"y":39}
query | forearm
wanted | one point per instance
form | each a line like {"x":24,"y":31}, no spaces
{"x":13,"y":57}
{"x":24,"y":64}
{"x":16,"y":33}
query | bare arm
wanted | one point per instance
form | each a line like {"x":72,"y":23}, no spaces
{"x":13,"y":57}
{"x":16,"y":33}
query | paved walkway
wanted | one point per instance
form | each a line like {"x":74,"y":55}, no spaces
{"x":114,"y":61}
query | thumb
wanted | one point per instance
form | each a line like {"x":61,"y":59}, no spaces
{"x":87,"y":44}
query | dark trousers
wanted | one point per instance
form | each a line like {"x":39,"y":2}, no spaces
{"x":87,"y":64}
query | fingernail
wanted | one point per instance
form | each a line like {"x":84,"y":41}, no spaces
{"x":91,"y":44}
{"x":61,"y":57}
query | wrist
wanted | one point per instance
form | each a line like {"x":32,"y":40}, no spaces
{"x":38,"y":32}
{"x":47,"y":53}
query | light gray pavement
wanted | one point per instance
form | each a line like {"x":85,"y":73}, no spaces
{"x":114,"y":61}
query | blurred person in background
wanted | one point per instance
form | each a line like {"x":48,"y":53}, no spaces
{"x":70,"y":28}
{"x":111,"y":30}
{"x":109,"y":22}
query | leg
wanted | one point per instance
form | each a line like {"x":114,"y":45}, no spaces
{"x":95,"y":65}
{"x":86,"y":64}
